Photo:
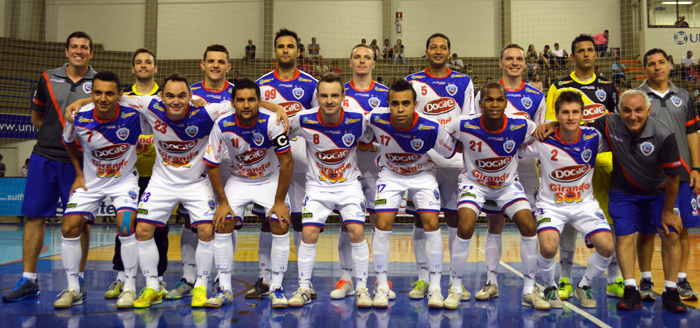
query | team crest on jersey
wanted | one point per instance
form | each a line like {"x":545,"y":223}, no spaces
{"x":348,"y":139}
{"x":192,"y":130}
{"x":298,"y":92}
{"x":508,"y":146}
{"x":647,"y":148}
{"x":123,"y":133}
{"x":258,"y":138}
{"x":417,"y":144}
{"x":676,"y":101}
{"x":586,"y":155}
{"x":600,"y":94}
{"x":527,"y":102}
{"x":212,"y":204}
{"x":87,"y":87}
{"x":437,"y":194}
{"x":133,"y":194}
{"x":451,"y":89}
{"x":373,"y":102}
{"x":363,"y":206}
{"x":600,"y":215}
{"x":694,"y":204}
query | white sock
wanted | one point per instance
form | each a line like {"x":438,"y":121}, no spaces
{"x":669,"y":284}
{"x":435,"y":249}
{"x":70,"y":256}
{"x":381,"y":249}
{"x":595,"y":267}
{"x":547,"y":268}
{"x":223,"y":256}
{"x":613,"y":269}
{"x":646,"y":275}
{"x":420,"y":254}
{"x":451,"y":235}
{"x":682,"y":276}
{"x":148,"y":260}
{"x":204,"y":257}
{"x":630,"y":282}
{"x":121,"y":276}
{"x":306,"y":258}
{"x":345,"y":256}
{"x":280,"y":258}
{"x":81,"y":275}
{"x":458,"y":261}
{"x":360,"y":259}
{"x":130,"y":258}
{"x":528,"y":257}
{"x":493,"y":250}
{"x":297,"y":240}
{"x":264,"y":261}
{"x":29,"y":275}
{"x":188,"y":246}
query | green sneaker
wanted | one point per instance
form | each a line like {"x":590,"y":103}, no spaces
{"x":115,"y":290}
{"x":420,"y":290}
{"x":565,"y":289}
{"x":199,"y":296}
{"x":616,"y":289}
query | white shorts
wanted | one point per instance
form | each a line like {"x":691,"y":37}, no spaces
{"x":587,"y":218}
{"x":447,"y":179}
{"x":510,"y":199}
{"x":124,"y":196}
{"x":241,"y":193}
{"x":318,"y":205}
{"x":422,"y":186}
{"x":158,"y":202}
{"x":528,"y":178}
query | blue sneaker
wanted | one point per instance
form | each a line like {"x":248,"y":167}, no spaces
{"x":25,"y":288}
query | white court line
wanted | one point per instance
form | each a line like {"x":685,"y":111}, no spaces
{"x":567,"y":304}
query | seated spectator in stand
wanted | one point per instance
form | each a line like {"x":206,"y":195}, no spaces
{"x":601,"y":43}
{"x":545,"y":57}
{"x":411,"y":70}
{"x":302,"y":66}
{"x":536,"y":82}
{"x":488,"y":79}
{"x":314,"y":71}
{"x":477,"y":86}
{"x":686,"y":62}
{"x":531,"y":67}
{"x":456,"y":64}
{"x":392,"y":80}
{"x":380,"y":80}
{"x":314,"y":48}
{"x":470,"y":71}
{"x":532,"y":54}
{"x":364,"y":41}
{"x":422,"y":68}
{"x":560,"y":56}
{"x":673,"y":72}
{"x":681,"y":22}
{"x":692,"y":77}
{"x":249,"y":52}
{"x":335,"y":68}
{"x":618,"y":72}
{"x":25,"y":169}
{"x":2,"y":168}
{"x":598,"y":72}
{"x":322,"y":69}
{"x":398,"y":52}
{"x":375,"y":49}
{"x":236,"y":78}
{"x":302,"y":51}
{"x":387,"y":51}
{"x":550,"y":79}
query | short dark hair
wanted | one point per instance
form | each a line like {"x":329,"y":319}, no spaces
{"x":438,"y":35}
{"x":217,"y":48}
{"x":245,"y":84}
{"x":140,"y":51}
{"x":360,"y":45}
{"x":511,"y":46}
{"x":176,"y":77}
{"x":108,"y":76}
{"x":79,"y":35}
{"x":568,"y":97}
{"x":581,"y":38}
{"x":492,"y":85}
{"x":606,"y":31}
{"x":654,"y":51}
{"x":402,"y":85}
{"x":286,"y":32}
{"x":331,"y":77}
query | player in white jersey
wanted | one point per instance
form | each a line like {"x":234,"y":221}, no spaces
{"x":332,"y":134}
{"x":108,"y":132}
{"x":490,"y":144}
{"x":249,"y":137}
{"x":526,"y":101}
{"x":405,"y":138}
{"x":567,"y":162}
{"x":443,"y":95}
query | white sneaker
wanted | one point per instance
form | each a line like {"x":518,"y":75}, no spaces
{"x":277,"y":299}
{"x":536,"y":301}
{"x":126,"y":299}
{"x":454,"y":298}
{"x":420,"y":290}
{"x":489,"y":291}
{"x":342,"y":289}
{"x":392,"y":295}
{"x":435,"y":299}
{"x":300,"y":298}
{"x":381,"y":299}
{"x":364,"y":301}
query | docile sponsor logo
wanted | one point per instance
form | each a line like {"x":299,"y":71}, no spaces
{"x":333,"y":156}
{"x":570,"y":173}
{"x":439,"y":106}
{"x":593,"y":111}
{"x":252,"y":156}
{"x":402,"y":159}
{"x":493,"y":164}
{"x":292,"y":107}
{"x":110,"y":152}
{"x":178,"y":146}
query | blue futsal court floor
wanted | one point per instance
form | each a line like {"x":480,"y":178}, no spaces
{"x":505,"y":311}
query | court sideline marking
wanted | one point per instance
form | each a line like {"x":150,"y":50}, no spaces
{"x":566,"y":303}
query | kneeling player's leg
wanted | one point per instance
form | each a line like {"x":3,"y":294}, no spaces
{"x":599,"y":260}
{"x":390,"y":191}
{"x":70,"y":248}
{"x":126,"y":222}
{"x":223,"y":254}
{"x":548,"y":237}
{"x":528,"y":242}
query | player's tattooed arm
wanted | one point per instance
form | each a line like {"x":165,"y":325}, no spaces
{"x":73,"y":108}
{"x":279,"y":110}
{"x":280,"y":209}
{"x":79,"y":179}
{"x":224,"y":208}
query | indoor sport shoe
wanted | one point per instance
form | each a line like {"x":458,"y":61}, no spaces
{"x":182,"y":289}
{"x":199,"y":296}
{"x":686,"y":293}
{"x":25,"y":288}
{"x":219,"y":298}
{"x":465,"y":294}
{"x":381,"y":298}
{"x":277,"y":299}
{"x":67,"y":298}
{"x":342,"y":288}
{"x":454,"y":298}
{"x":630,"y":300}
{"x":312,"y":291}
{"x":163,"y":291}
{"x":300,"y":298}
{"x":672,"y":301}
{"x":126,"y":299}
{"x":616,"y":289}
{"x":115,"y":290}
{"x":646,"y":290}
{"x":585,"y":294}
{"x":565,"y":289}
{"x":435,"y":299}
{"x":149,"y":296}
{"x":488,"y":292}
{"x":392,"y":295}
{"x":420,"y":290}
{"x":259,"y":289}
{"x":551,"y":295}
{"x":535,"y":300}
{"x":362,"y":298}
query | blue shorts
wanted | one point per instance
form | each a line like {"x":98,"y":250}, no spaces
{"x":46,"y":182}
{"x":686,"y":206}
{"x":632,"y":212}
